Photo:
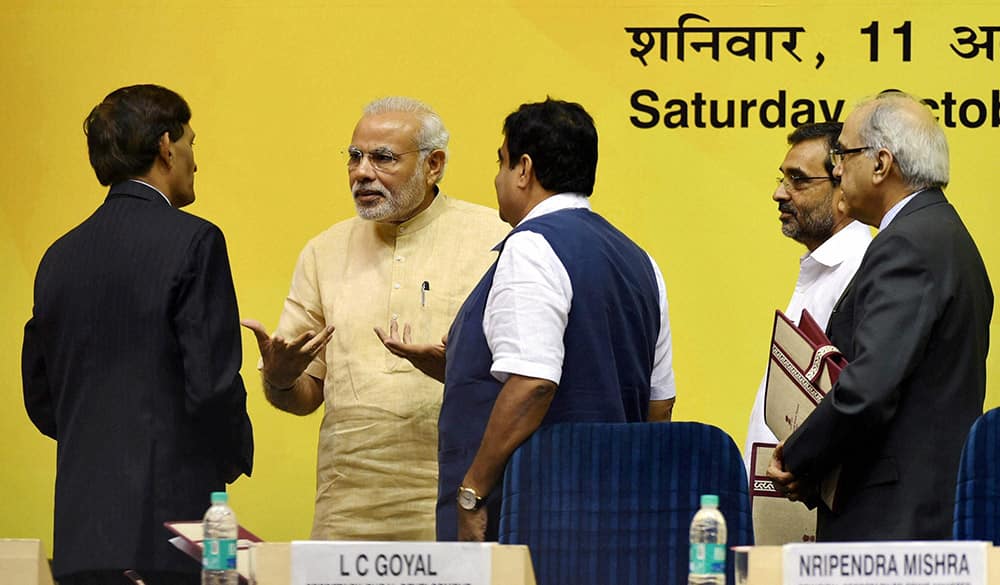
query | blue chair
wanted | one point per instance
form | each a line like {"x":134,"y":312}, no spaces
{"x":609,"y":503}
{"x":977,"y":496}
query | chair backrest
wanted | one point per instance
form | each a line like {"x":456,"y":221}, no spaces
{"x":977,"y":496}
{"x":606,"y":503}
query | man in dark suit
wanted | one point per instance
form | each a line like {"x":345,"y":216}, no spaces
{"x":131,"y":358}
{"x":914,"y":324}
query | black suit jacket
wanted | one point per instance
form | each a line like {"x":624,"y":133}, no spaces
{"x":131,"y":362}
{"x":914,"y":324}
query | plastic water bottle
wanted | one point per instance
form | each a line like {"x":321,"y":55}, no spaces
{"x":708,"y":544}
{"x":218,"y":565}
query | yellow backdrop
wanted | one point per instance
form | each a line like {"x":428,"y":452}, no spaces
{"x":276,"y":88}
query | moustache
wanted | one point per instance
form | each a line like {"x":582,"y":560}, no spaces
{"x":786,"y":207}
{"x":369,"y":187}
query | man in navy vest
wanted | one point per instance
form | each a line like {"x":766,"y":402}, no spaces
{"x":569,"y":325}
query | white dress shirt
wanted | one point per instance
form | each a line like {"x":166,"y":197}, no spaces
{"x":527,"y":309}
{"x":823,"y":275}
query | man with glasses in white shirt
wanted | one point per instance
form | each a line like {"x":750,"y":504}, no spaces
{"x":807,"y":196}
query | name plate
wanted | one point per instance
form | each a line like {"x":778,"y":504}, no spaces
{"x":390,"y":563}
{"x":885,"y":563}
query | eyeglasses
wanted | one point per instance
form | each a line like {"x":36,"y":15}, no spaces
{"x":838,"y":154}
{"x":794,"y":183}
{"x":382,"y":159}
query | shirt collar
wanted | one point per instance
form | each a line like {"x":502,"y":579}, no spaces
{"x":837,"y":247}
{"x":420,"y":220}
{"x":894,"y":211}
{"x":558,"y":202}
{"x":154,"y":189}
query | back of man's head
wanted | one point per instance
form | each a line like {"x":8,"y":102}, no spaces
{"x":561,"y":140}
{"x":123,"y":131}
{"x":906,"y":127}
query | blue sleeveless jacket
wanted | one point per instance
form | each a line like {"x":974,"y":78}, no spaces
{"x":609,"y":343}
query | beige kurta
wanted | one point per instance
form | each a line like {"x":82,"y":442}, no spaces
{"x":377,"y":462}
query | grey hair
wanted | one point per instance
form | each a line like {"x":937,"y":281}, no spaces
{"x":915,"y":140}
{"x":432,"y":134}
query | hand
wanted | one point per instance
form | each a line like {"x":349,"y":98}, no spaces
{"x":284,"y":361}
{"x":427,"y":357}
{"x":471,"y":524}
{"x":794,"y":488}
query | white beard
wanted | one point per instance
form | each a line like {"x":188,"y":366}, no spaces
{"x":392,"y":207}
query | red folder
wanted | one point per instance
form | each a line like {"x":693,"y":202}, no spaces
{"x":802,"y":368}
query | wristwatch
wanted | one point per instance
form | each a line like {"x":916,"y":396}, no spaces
{"x":468,"y":499}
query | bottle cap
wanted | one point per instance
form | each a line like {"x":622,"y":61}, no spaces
{"x":710,"y":500}
{"x":223,"y":498}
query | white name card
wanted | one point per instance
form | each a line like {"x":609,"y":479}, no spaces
{"x":885,"y":563}
{"x":390,"y":563}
